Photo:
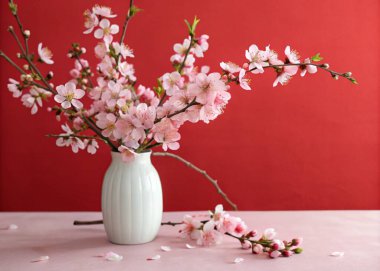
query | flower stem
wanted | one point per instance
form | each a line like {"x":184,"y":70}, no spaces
{"x":201,"y":171}
{"x":126,"y":22}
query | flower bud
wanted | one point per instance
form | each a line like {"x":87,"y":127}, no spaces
{"x":26,"y":67}
{"x":49,"y":109}
{"x":18,"y":55}
{"x":274,"y":254}
{"x":245,"y":66}
{"x":336,"y":77}
{"x":69,"y":55}
{"x":27,"y":33}
{"x":275,"y":246}
{"x":287,"y":253}
{"x":10,"y":28}
{"x":296,"y":241}
{"x":297,"y":250}
{"x":246,"y":244}
{"x":84,"y":81}
{"x":51,"y":85}
{"x":348,"y":74}
{"x":251,"y":234}
{"x":83,"y":50}
{"x":257,"y":249}
{"x":325,"y":65}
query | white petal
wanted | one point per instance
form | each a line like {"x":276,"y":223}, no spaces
{"x":41,"y":259}
{"x":66,"y":104}
{"x":189,"y":246}
{"x":155,"y":257}
{"x":337,"y":254}
{"x":238,"y":260}
{"x":114,"y":29}
{"x":79,"y":93}
{"x":34,"y":109}
{"x":104,"y":23}
{"x":98,"y":33}
{"x":77,"y":104}
{"x":12,"y":227}
{"x":59,"y":98}
{"x":165,"y":248}
{"x":113,"y":257}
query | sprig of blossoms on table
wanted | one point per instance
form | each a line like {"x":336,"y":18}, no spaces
{"x":210,"y":232}
{"x":127,"y":115}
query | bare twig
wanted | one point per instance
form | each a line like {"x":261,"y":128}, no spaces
{"x":201,"y":171}
{"x":129,"y":16}
{"x":95,"y":222}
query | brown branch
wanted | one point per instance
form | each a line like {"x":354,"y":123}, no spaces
{"x":201,"y":171}
{"x":95,"y":222}
{"x":129,"y":16}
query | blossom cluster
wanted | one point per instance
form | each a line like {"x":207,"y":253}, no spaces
{"x":211,"y":232}
{"x":127,"y":115}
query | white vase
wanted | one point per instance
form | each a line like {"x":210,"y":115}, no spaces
{"x":131,"y":200}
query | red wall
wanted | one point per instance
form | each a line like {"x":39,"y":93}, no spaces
{"x":313,"y":144}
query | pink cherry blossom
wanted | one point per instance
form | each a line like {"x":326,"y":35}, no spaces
{"x":243,"y":82}
{"x":106,"y":31}
{"x":34,"y":98}
{"x":106,"y":67}
{"x":103,"y":11}
{"x":45,"y":54}
{"x":191,"y":227}
{"x":127,"y":70}
{"x":308,"y":68}
{"x":90,"y":21}
{"x":172,"y":82}
{"x":106,"y":122}
{"x":269,"y":234}
{"x":100,"y":50}
{"x":181,"y":49}
{"x":291,"y":57}
{"x":257,"y":58}
{"x":13,"y":87}
{"x":69,"y":95}
{"x":92,"y":145}
{"x":209,"y":236}
{"x":201,"y":46}
{"x":127,"y":154}
{"x":230,"y":67}
{"x":206,"y":87}
{"x":165,"y":133}
{"x":145,"y":116}
{"x":283,"y":78}
{"x":68,"y":139}
{"x":122,"y":49}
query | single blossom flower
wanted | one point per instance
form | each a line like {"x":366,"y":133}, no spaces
{"x":68,"y":95}
{"x":269,"y":234}
{"x":209,"y":236}
{"x":45,"y":54}
{"x":68,"y":139}
{"x":191,"y":227}
{"x":122,"y":49}
{"x":103,"y":11}
{"x":243,"y":82}
{"x":34,"y":98}
{"x":106,"y":31}
{"x":308,"y":68}
{"x":14,"y":87}
{"x":172,"y":82}
{"x":257,"y":58}
{"x":106,"y":122}
{"x":90,"y":21}
{"x":92,"y":145}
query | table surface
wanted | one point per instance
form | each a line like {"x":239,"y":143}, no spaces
{"x":356,"y":233}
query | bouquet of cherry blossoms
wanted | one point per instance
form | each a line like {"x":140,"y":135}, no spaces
{"x":128,"y":116}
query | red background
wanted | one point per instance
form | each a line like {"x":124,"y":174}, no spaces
{"x":313,"y":144}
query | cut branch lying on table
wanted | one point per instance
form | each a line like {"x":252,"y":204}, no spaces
{"x":210,"y":232}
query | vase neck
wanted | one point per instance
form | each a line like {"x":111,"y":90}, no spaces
{"x":139,"y":158}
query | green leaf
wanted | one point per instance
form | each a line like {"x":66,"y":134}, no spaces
{"x":134,"y":10}
{"x":353,"y":80}
{"x":13,"y":7}
{"x":193,"y":26}
{"x":316,"y":57}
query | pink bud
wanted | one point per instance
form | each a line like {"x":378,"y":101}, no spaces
{"x":274,"y":254}
{"x":257,"y":249}
{"x":69,"y":55}
{"x":287,"y":253}
{"x":245,"y":66}
{"x":246,"y":244}
{"x":297,"y":241}
{"x":275,"y":246}
{"x":83,"y":50}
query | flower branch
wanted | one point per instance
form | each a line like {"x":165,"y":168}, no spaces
{"x":201,"y":171}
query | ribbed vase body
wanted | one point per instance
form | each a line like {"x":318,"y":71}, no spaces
{"x":131,"y":200}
